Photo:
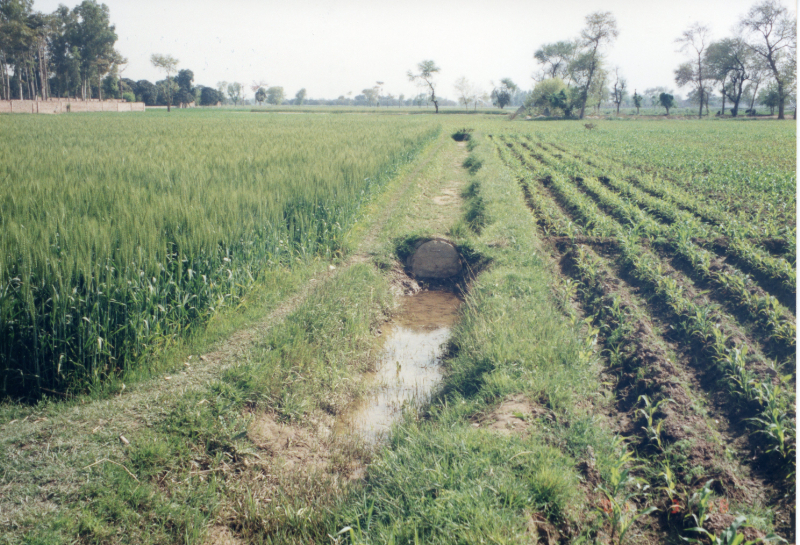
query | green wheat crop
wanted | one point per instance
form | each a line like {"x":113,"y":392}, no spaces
{"x":118,"y":234}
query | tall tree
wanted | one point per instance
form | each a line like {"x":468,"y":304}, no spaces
{"x":600,"y":30}
{"x":168,"y":64}
{"x":235,"y":92}
{"x":93,"y":37}
{"x":275,"y":95}
{"x":300,"y":97}
{"x":501,"y":95}
{"x":64,"y":56}
{"x":555,"y":59}
{"x":773,"y":38}
{"x":728,"y":63}
{"x":694,"y":40}
{"x":16,"y":42}
{"x":426,"y":78}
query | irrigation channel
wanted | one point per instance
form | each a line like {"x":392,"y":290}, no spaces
{"x":408,"y":367}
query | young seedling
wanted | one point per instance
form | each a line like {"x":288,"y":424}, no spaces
{"x":653,"y":428}
{"x":618,"y":506}
{"x":731,"y":535}
{"x":700,"y":505}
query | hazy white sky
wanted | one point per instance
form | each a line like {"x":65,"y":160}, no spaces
{"x":332,"y":47}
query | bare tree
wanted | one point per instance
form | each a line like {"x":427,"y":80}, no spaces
{"x":619,"y":88}
{"x":378,"y":90}
{"x":774,"y":40}
{"x":694,"y":40}
{"x":464,"y":88}
{"x":168,"y":64}
{"x":758,"y":74}
{"x":425,"y":78}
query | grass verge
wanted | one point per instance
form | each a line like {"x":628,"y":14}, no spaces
{"x":453,"y":475}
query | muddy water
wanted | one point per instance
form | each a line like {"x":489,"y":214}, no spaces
{"x":409,"y":366}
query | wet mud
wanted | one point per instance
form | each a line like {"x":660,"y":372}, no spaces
{"x":409,"y":366}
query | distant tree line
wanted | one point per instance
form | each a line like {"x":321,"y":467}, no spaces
{"x":71,"y":53}
{"x":758,"y":63}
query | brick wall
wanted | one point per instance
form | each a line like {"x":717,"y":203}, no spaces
{"x":68,"y":105}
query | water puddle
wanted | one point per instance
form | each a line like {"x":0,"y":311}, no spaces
{"x":409,"y":365}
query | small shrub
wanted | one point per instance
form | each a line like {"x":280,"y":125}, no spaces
{"x":476,"y":214}
{"x":462,"y":135}
{"x":129,"y":97}
{"x":472,"y":164}
{"x":472,"y":144}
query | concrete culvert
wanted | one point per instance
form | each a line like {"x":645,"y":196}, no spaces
{"x":435,"y":259}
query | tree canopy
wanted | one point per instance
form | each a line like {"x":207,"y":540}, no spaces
{"x":427,"y":71}
{"x":772,"y":36}
{"x":66,"y":53}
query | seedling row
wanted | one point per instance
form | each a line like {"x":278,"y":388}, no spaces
{"x":641,"y":230}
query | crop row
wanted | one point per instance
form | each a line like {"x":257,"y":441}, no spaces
{"x":748,"y":171}
{"x":697,"y":322}
{"x":765,"y":309}
{"x":618,"y":323}
{"x":678,"y":201}
{"x":776,"y":269}
{"x":549,"y":217}
{"x":631,"y":344}
{"x":683,"y":227}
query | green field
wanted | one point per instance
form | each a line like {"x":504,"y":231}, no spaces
{"x":128,"y":235}
{"x":622,"y":371}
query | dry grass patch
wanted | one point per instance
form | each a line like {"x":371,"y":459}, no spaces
{"x":515,"y":415}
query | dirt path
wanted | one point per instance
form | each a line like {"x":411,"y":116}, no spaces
{"x":317,"y":461}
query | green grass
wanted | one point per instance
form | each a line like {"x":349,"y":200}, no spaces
{"x":439,"y":478}
{"x":442,"y":480}
{"x":181,"y":461}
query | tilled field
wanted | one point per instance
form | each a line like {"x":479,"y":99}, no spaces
{"x":692,"y":295}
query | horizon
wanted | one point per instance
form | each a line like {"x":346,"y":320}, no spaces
{"x":289,"y":45}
